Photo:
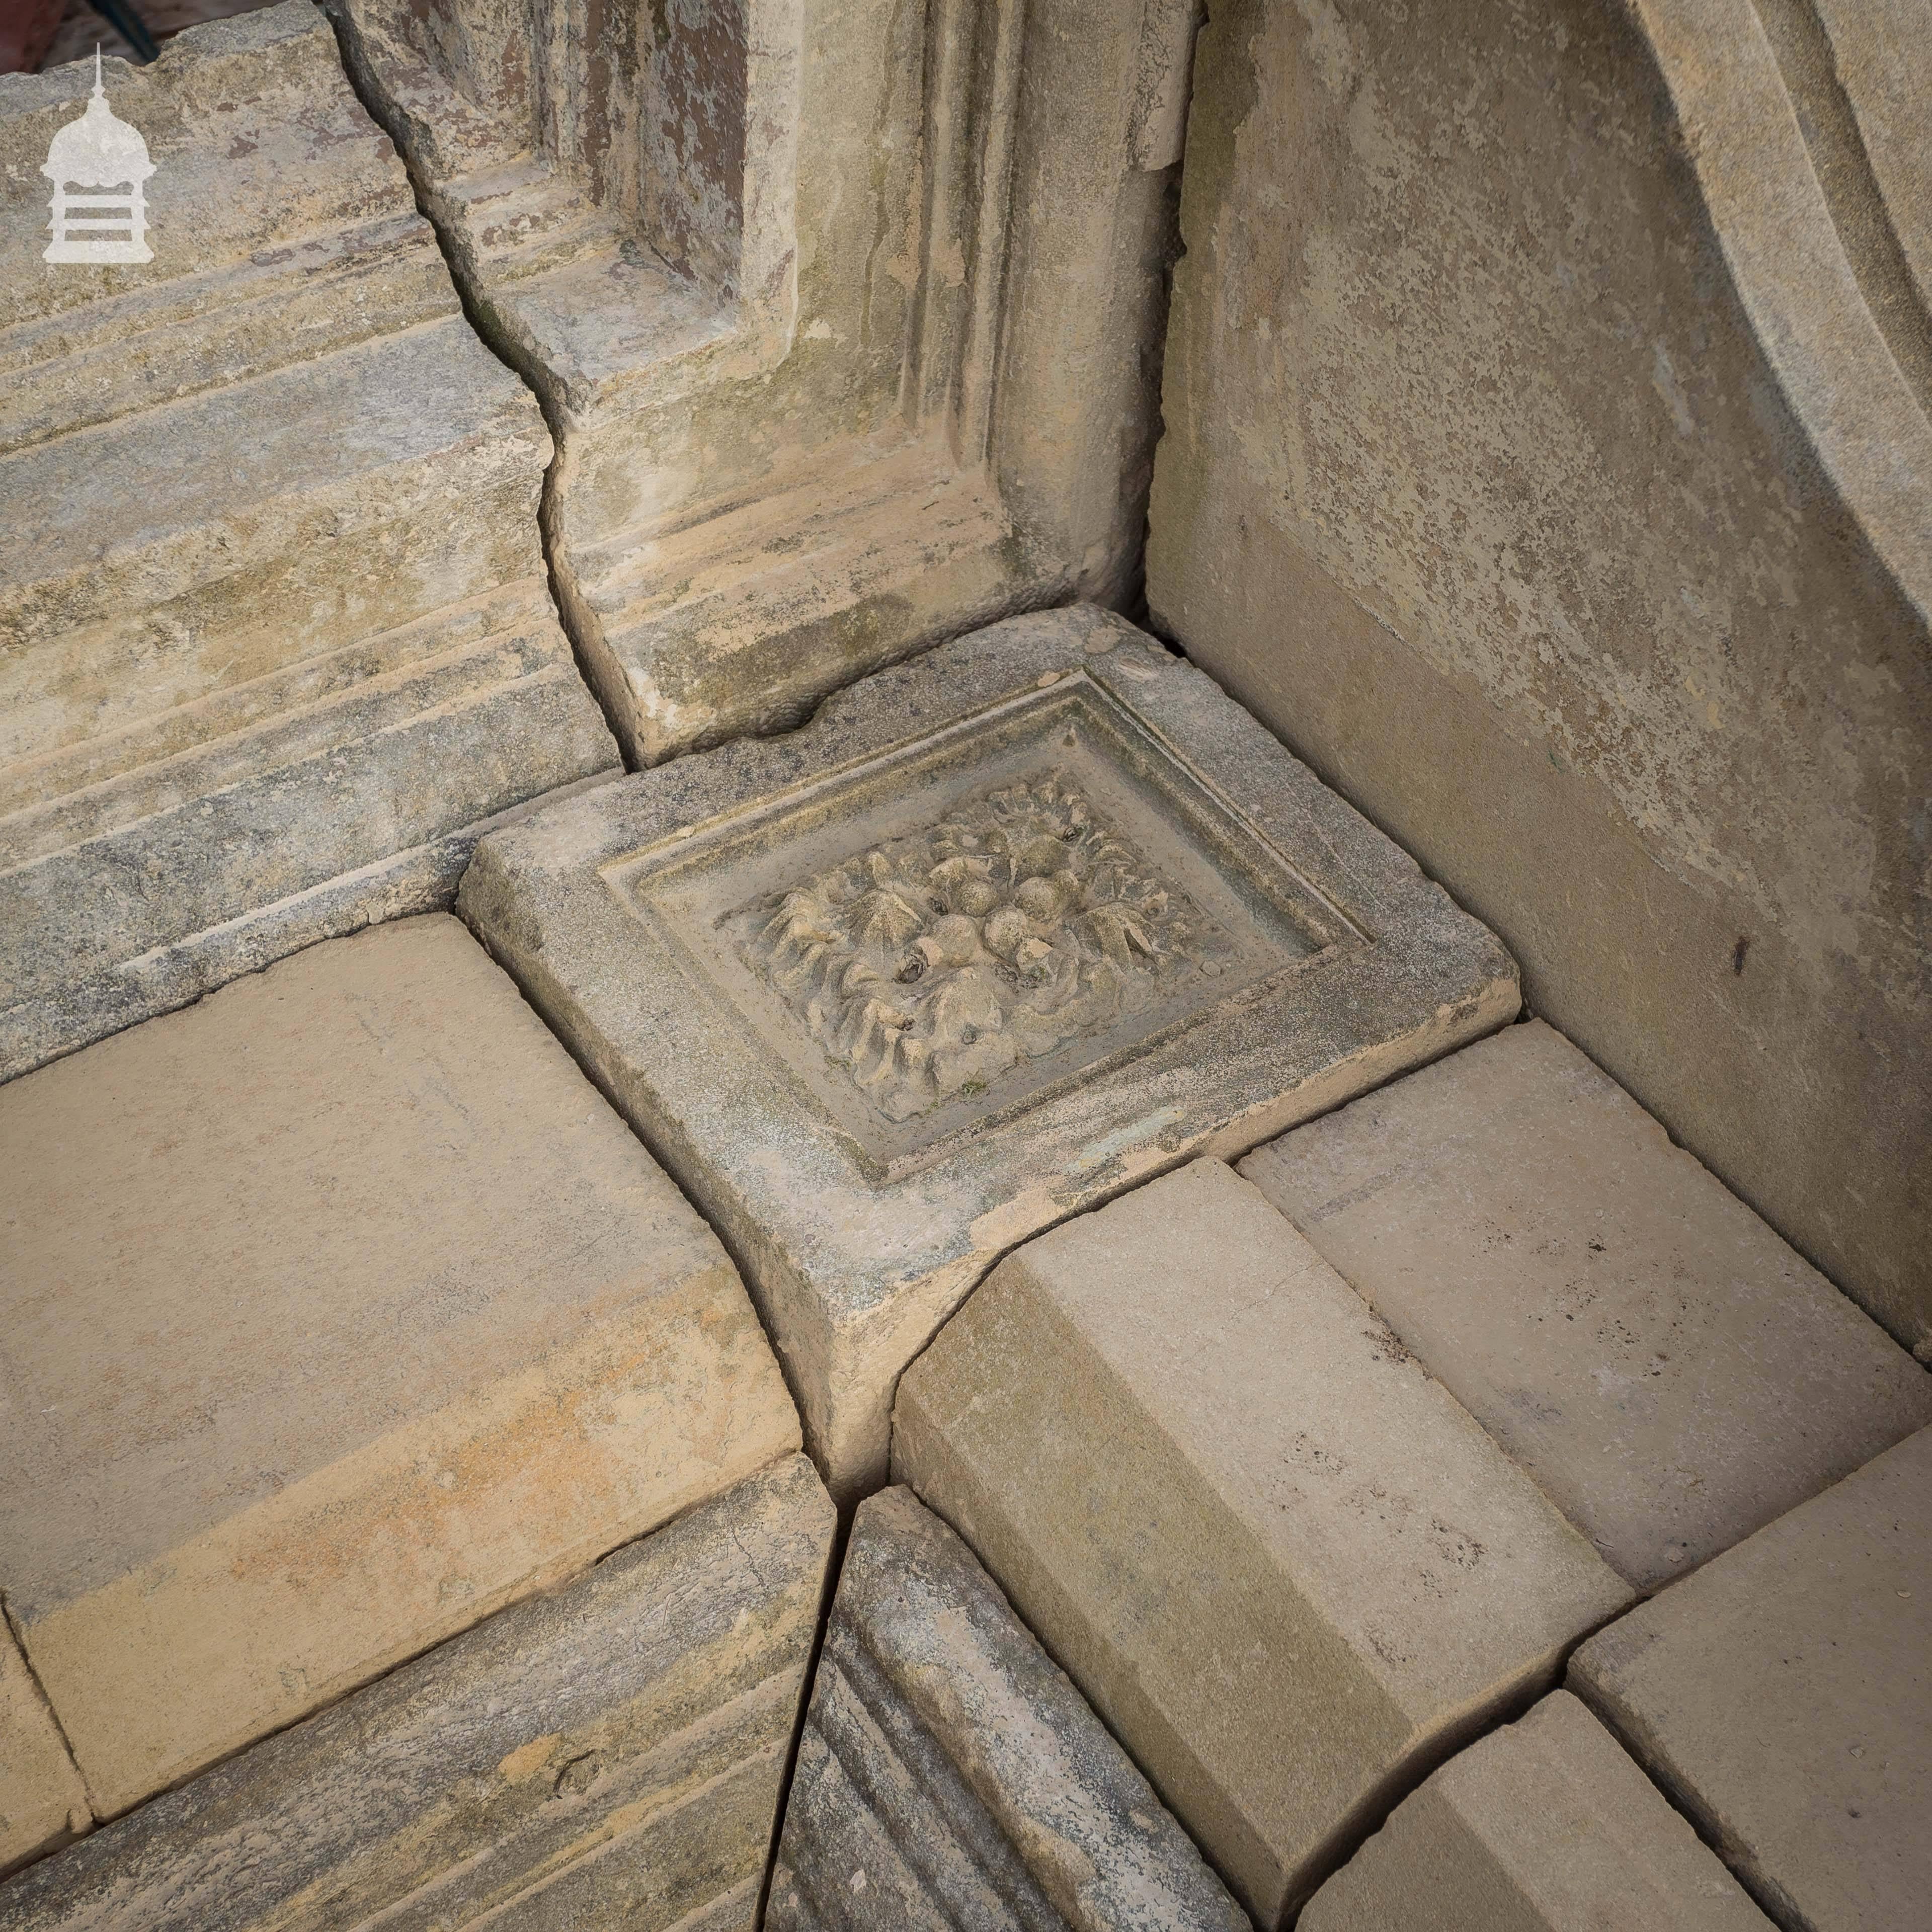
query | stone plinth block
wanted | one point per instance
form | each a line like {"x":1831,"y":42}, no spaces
{"x":846,"y":312}
{"x":1545,"y":1825}
{"x":1287,"y":1569}
{"x":608,"y":1755}
{"x":42,"y":1804}
{"x":1783,"y":1697}
{"x":1670,"y":1372}
{"x":338,"y":1311}
{"x":1001,"y":930}
{"x":276,"y":637}
{"x":950,"y":1777}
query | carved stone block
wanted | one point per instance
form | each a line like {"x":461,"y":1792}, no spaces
{"x":335,"y":1312}
{"x":950,"y":1779}
{"x":608,"y":1754}
{"x":1670,"y":1372}
{"x":1000,"y":932}
{"x":1783,"y":1697}
{"x":847,"y":312}
{"x":1544,"y":1826}
{"x":1285,"y":1565}
{"x":275,"y":632}
{"x":42,"y":1801}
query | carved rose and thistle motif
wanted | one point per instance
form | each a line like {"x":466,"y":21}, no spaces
{"x":930,"y":965}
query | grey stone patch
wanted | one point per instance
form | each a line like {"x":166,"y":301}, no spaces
{"x":1544,"y":1826}
{"x":1184,"y":944}
{"x":608,"y":1754}
{"x":279,"y":635}
{"x":950,"y":1777}
{"x":1783,"y":1697}
{"x":1672,"y":1374}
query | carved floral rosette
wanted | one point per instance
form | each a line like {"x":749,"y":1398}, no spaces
{"x":931,"y":964}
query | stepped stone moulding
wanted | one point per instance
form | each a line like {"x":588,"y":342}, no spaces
{"x":608,"y":1754}
{"x":275,"y":636}
{"x":1002,"y":931}
{"x":846,"y":313}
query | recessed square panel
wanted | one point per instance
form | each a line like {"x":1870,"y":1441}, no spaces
{"x":1002,"y":931}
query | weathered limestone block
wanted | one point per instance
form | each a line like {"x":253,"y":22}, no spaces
{"x":276,"y":633}
{"x":1783,"y":1697}
{"x":607,"y":1755}
{"x":848,"y":312}
{"x":1669,"y":1372}
{"x":1545,"y":1825}
{"x":338,"y":1311}
{"x":950,"y":1777}
{"x":1288,"y":1569}
{"x":42,"y":1804}
{"x":1548,"y":458}
{"x":999,"y":932}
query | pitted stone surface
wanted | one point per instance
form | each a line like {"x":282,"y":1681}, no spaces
{"x":950,"y":1779}
{"x":1670,"y":1372}
{"x":339,"y":1311}
{"x":722,"y":940}
{"x":279,"y":638}
{"x":1783,"y":1697}
{"x":1288,"y":1569}
{"x":609,"y":1754}
{"x":1545,"y":1825}
{"x":42,"y":1804}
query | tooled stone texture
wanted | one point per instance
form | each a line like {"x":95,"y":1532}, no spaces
{"x":950,"y":1779}
{"x":930,"y":965}
{"x":610,"y":1754}
{"x":278,"y":633}
{"x":383,"y":1320}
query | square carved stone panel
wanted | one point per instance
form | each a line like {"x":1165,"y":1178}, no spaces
{"x":1004,"y":931}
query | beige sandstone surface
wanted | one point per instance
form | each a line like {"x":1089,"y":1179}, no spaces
{"x":275,"y":637}
{"x":339,"y":1310}
{"x":1287,"y":1569}
{"x":42,"y":1804}
{"x":1000,"y":931}
{"x":1783,"y":1697}
{"x":1545,"y":1825}
{"x":1671,"y":1375}
{"x":607,"y":1754}
{"x":847,"y":313}
{"x":950,"y":1779}
{"x":1548,"y":459}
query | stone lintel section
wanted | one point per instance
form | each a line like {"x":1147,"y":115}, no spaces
{"x":1672,"y":1374}
{"x":951,"y":1779}
{"x":607,"y":1754}
{"x":1000,"y":932}
{"x":335,"y":1312}
{"x":1783,"y":1697}
{"x":42,"y":1802}
{"x":1290,"y":1572}
{"x":1545,"y":1825}
{"x":847,"y":312}
{"x":278,"y":637}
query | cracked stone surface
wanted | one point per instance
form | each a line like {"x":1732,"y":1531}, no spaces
{"x":340,"y":1311}
{"x":770,"y":955}
{"x":606,"y":1754}
{"x":1287,"y":1568}
{"x":950,"y":1779}
{"x":278,"y":637}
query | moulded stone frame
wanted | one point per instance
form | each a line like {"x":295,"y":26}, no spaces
{"x":854,"y":1260}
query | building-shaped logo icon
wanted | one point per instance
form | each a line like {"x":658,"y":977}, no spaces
{"x":97,"y":165}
